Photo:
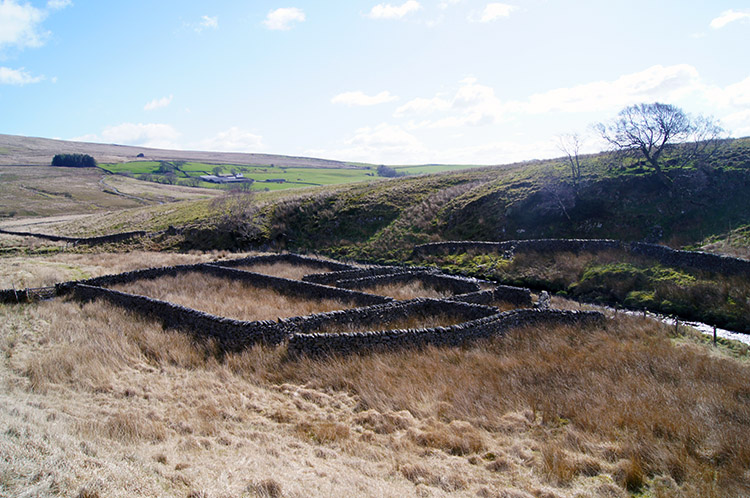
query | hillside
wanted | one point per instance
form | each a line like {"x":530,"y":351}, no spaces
{"x":384,"y":219}
{"x":18,"y":150}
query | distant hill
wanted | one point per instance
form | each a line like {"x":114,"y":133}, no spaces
{"x":18,"y":150}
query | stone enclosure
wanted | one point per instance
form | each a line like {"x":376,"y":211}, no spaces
{"x":467,"y":305}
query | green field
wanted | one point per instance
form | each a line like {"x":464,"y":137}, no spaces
{"x":294,"y":177}
{"x":426,"y":169}
{"x":262,"y":174}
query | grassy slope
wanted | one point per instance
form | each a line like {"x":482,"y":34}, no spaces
{"x":384,"y":218}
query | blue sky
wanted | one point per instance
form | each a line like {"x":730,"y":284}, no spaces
{"x":401,"y":82}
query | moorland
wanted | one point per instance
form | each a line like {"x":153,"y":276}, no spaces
{"x":98,"y":401}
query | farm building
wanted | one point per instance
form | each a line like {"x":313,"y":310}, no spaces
{"x":238,"y":178}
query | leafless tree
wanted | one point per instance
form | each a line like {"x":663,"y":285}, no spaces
{"x":570,"y":145}
{"x":652,"y":129}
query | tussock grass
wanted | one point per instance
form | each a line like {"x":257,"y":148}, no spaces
{"x":409,"y":290}
{"x":228,"y":298}
{"x":286,"y":270}
{"x":646,"y":408}
{"x":133,"y":410}
{"x":44,"y":271}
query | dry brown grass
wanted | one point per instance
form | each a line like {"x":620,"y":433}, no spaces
{"x":229,"y":298}
{"x":628,"y":389}
{"x":408,"y":290}
{"x":286,"y":270}
{"x":95,"y":401}
{"x":40,"y":271}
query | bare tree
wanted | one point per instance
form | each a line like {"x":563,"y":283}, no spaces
{"x":652,"y":129}
{"x":570,"y":145}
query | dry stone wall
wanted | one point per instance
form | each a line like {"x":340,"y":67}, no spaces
{"x":518,"y":296}
{"x":332,"y":277}
{"x":14,"y":296}
{"x":115,"y":237}
{"x":295,"y":287}
{"x":691,"y":260}
{"x":478,"y":321}
{"x":391,"y":340}
{"x":231,"y":335}
{"x":130,"y":276}
{"x":291,"y":258}
{"x":376,"y":316}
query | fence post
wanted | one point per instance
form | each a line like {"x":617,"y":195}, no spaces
{"x":714,"y":335}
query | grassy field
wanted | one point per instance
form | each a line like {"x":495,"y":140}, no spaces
{"x":294,"y":177}
{"x":96,"y":401}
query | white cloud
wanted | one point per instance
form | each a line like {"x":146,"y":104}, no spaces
{"x":384,"y":136}
{"x":18,"y":77}
{"x":20,"y":24}
{"x":447,"y":3}
{"x":282,"y":19}
{"x":158,"y":103}
{"x":156,"y":135}
{"x":493,"y":12}
{"x":384,"y":143}
{"x":359,"y":98}
{"x":58,"y":4}
{"x":421,"y":106}
{"x":231,"y":140}
{"x":735,"y":95}
{"x":664,"y":83}
{"x":729,"y":16}
{"x":388,"y":11}
{"x":473,"y":104}
{"x":208,"y":22}
{"x":737,"y":123}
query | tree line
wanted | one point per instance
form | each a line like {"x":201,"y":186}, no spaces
{"x":74,"y":161}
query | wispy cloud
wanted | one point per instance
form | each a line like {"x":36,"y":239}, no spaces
{"x":382,"y":143}
{"x":493,"y":12}
{"x":388,"y":11}
{"x":359,"y":98}
{"x":21,"y":25}
{"x":206,"y":23}
{"x":283,"y":19}
{"x":158,"y":103}
{"x":17,"y":77}
{"x":447,"y":3}
{"x":58,"y":4}
{"x":232,"y":140}
{"x":476,"y":104}
{"x":730,"y":16}
{"x":156,"y":135}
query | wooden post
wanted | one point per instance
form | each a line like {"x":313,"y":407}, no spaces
{"x":676,"y":324}
{"x":644,"y":312}
{"x":714,"y":335}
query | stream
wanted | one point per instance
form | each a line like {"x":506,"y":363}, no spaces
{"x":702,"y":327}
